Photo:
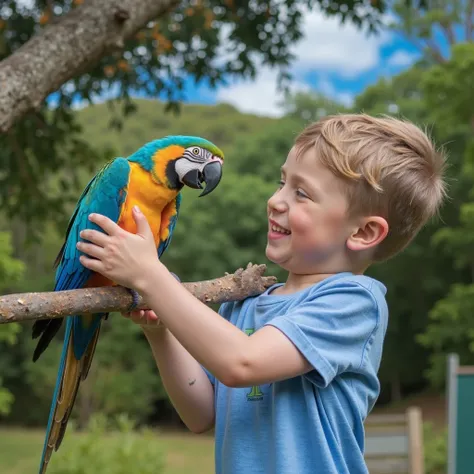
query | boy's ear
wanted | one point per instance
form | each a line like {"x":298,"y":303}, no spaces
{"x":371,"y":231}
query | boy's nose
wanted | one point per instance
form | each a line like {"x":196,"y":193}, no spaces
{"x":277,"y":204}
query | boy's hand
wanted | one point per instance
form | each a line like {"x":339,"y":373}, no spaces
{"x":147,"y":319}
{"x":123,"y":257}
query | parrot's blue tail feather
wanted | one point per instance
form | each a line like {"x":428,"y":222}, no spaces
{"x":72,"y":371}
{"x":47,"y":449}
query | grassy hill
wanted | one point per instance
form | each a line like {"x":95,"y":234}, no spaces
{"x":222,"y":124}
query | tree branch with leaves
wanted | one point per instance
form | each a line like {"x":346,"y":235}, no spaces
{"x":68,"y":47}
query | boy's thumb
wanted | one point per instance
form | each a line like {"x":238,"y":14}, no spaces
{"x":143,"y":228}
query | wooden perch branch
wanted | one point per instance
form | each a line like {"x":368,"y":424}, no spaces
{"x":67,"y":48}
{"x":31,"y":306}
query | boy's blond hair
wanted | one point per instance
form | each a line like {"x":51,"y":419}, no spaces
{"x":391,"y":167}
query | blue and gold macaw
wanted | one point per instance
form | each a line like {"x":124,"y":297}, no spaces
{"x":152,"y":177}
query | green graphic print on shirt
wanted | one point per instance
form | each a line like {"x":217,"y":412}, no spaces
{"x":255,"y":393}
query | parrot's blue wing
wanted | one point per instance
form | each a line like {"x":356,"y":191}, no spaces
{"x":105,"y":194}
{"x":172,"y":224}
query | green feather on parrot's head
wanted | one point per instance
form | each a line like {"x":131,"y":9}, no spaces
{"x":181,"y":160}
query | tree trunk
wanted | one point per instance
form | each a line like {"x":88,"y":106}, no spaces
{"x":395,"y":388}
{"x":68,"y":48}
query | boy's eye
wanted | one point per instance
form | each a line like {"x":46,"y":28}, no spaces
{"x":301,"y":193}
{"x":281,"y":183}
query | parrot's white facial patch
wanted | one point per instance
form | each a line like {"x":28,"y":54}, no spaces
{"x":197,"y":154}
{"x":197,"y":166}
{"x":183,"y":166}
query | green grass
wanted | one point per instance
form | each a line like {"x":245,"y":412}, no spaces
{"x":20,"y":451}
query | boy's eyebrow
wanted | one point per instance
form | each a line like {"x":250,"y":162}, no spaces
{"x":302,"y":180}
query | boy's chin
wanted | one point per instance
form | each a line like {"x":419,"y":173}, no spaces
{"x":274,"y":258}
{"x":268,"y":253}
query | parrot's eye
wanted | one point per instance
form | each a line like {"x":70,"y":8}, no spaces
{"x":195,"y":151}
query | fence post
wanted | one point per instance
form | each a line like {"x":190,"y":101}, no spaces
{"x":415,"y":437}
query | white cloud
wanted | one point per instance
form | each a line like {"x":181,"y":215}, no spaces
{"x":260,"y":96}
{"x":336,"y":47}
{"x":327,"y":46}
{"x":401,"y":59}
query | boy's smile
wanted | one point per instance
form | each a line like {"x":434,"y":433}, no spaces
{"x":276,"y":231}
{"x":308,"y":225}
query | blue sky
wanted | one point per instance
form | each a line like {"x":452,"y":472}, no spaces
{"x":337,"y":60}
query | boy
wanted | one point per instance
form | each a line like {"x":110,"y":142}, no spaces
{"x":287,"y":378}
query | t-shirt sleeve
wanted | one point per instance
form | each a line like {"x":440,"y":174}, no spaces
{"x":225,"y":310}
{"x":333,"y":329}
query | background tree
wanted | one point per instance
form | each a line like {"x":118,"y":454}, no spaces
{"x":435,"y":94}
{"x":311,"y":106}
{"x":448,"y":91}
{"x":11,"y":271}
{"x":435,"y":29}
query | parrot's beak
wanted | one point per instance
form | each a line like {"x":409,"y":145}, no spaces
{"x":211,"y":175}
{"x":191,"y":179}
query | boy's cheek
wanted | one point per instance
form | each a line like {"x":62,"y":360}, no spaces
{"x":302,"y":224}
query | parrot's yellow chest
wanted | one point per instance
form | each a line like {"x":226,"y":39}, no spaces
{"x":154,"y":200}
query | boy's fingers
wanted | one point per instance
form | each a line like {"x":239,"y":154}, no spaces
{"x":151,"y":315}
{"x":143,"y":317}
{"x":154,"y":321}
{"x":105,"y":223}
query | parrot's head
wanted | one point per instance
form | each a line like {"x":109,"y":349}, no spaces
{"x":200,"y":162}
{"x":182,"y":160}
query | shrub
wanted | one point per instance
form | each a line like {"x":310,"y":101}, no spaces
{"x":436,"y":450}
{"x":108,"y":448}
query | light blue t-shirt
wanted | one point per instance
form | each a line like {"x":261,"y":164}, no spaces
{"x":311,"y":423}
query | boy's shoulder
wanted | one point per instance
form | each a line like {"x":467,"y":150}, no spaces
{"x":345,"y":280}
{"x":345,"y":283}
{"x":340,"y":288}
{"x":345,"y":293}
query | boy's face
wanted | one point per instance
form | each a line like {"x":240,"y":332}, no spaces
{"x":308,"y":224}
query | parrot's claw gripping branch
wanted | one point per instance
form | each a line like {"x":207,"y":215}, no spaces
{"x":135,"y":299}
{"x":57,"y":304}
